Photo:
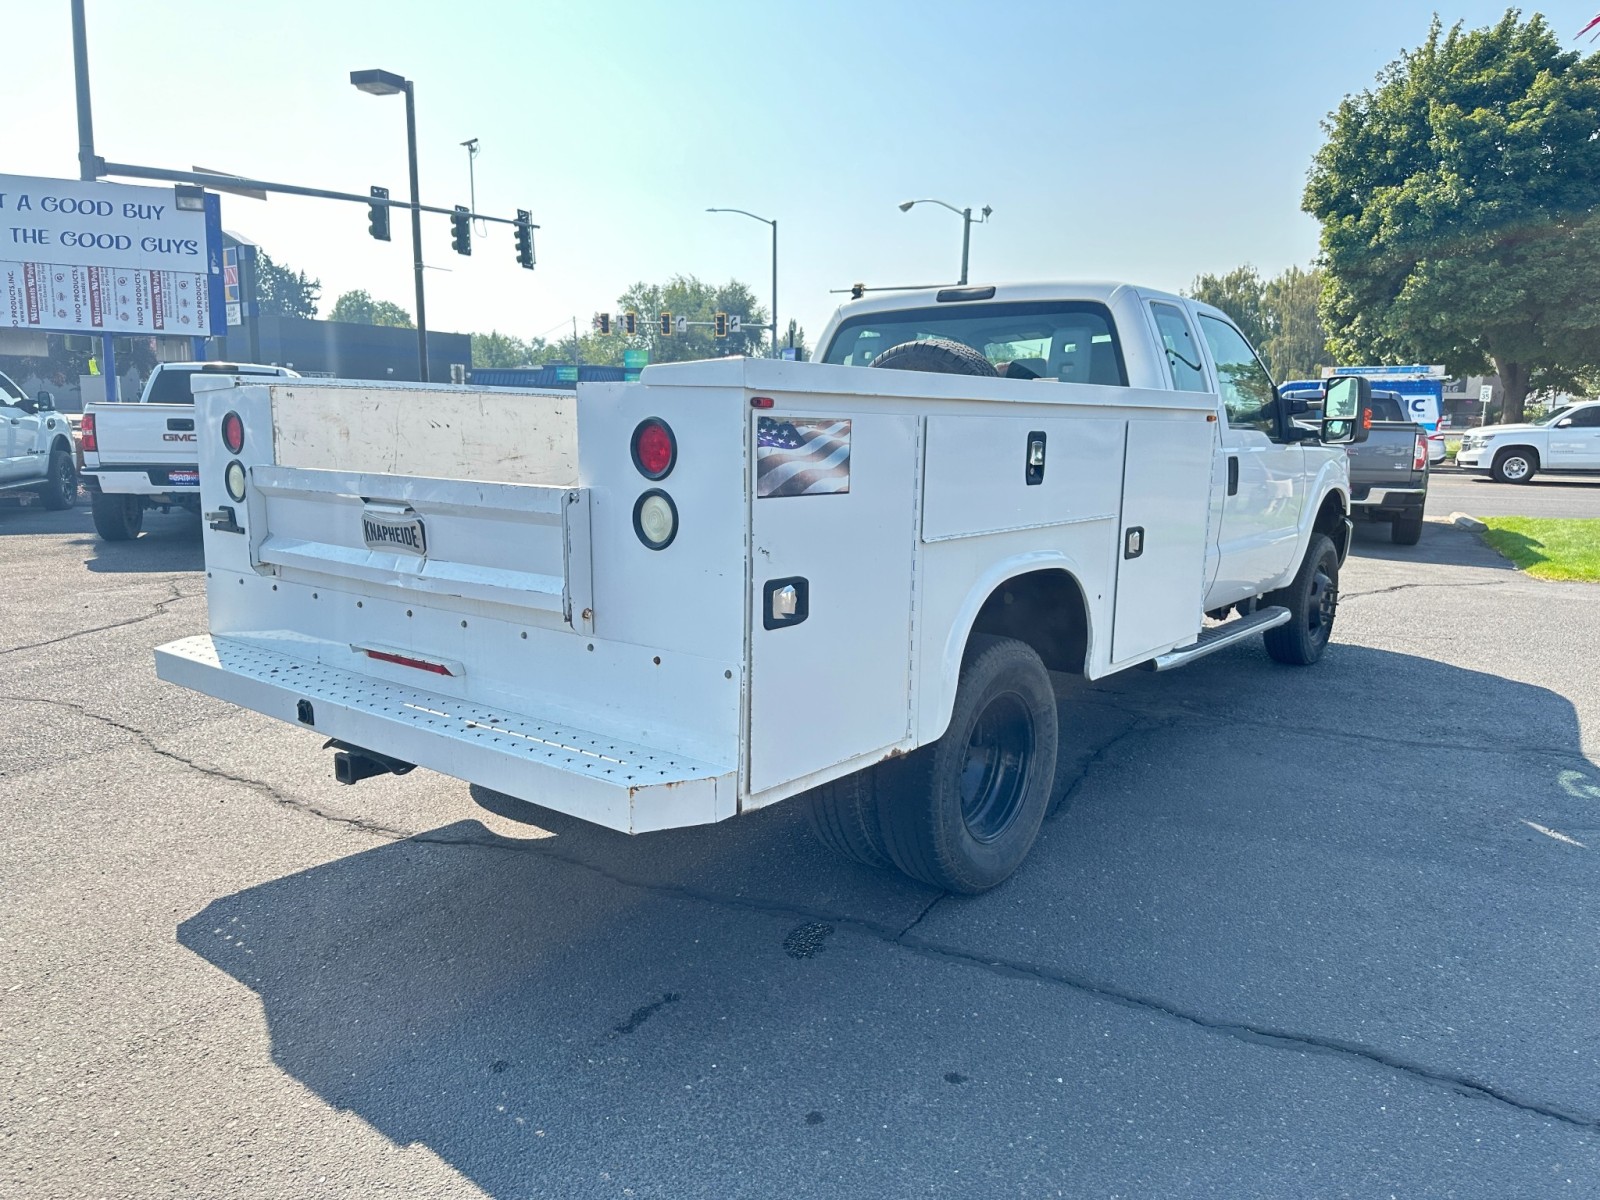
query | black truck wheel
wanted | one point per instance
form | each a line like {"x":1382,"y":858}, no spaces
{"x":1405,"y":531}
{"x":117,"y":518}
{"x":1312,"y":600}
{"x":963,"y":812}
{"x":61,"y":489}
{"x":940,"y":356}
{"x":844,"y":817}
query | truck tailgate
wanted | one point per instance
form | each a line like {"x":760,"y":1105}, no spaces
{"x":145,"y":436}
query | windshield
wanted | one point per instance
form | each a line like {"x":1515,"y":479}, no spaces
{"x":1070,"y":341}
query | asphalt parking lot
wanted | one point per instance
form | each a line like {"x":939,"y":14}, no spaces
{"x":1322,"y":932}
{"x":1450,"y":490}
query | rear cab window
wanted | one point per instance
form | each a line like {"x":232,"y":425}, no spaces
{"x":1067,"y":341}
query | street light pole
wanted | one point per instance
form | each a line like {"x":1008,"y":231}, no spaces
{"x":776,"y":352}
{"x":966,"y":226}
{"x":387,"y":83}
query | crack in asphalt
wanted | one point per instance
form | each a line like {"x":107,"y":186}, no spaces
{"x":280,"y":798}
{"x":1402,"y":587}
{"x":1243,"y":1031}
{"x":158,"y":610}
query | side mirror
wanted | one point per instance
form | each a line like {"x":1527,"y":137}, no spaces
{"x":46,"y":402}
{"x":1564,"y":422}
{"x":1346,"y":411}
{"x":1297,"y":408}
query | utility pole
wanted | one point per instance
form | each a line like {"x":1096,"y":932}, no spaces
{"x":89,"y":164}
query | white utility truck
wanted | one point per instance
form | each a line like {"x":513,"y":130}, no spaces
{"x":141,"y":453}
{"x":668,"y":602}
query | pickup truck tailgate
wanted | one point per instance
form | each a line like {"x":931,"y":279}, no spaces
{"x":152,"y":437}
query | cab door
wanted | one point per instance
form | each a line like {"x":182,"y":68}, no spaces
{"x":1261,"y":472}
{"x":1575,"y":440}
{"x":19,"y":431}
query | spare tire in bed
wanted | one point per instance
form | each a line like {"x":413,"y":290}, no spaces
{"x":939,"y":355}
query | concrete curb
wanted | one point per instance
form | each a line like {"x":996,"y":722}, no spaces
{"x":1463,"y":520}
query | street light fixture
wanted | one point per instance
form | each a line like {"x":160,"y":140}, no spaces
{"x":966,"y":225}
{"x":387,"y":83}
{"x":776,"y":353}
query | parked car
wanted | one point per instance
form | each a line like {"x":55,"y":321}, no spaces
{"x":143,"y":455}
{"x":1568,"y":440}
{"x":1388,"y":471}
{"x":36,"y":453}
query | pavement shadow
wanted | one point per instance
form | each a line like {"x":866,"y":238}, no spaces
{"x":1442,"y":544}
{"x":568,"y":1012}
{"x":170,"y":542}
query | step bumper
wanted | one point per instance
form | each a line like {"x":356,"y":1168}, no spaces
{"x":586,"y":774}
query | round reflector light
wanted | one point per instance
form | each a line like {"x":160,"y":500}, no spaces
{"x":655,"y":450}
{"x":233,"y":479}
{"x":655,"y":519}
{"x":233,"y":432}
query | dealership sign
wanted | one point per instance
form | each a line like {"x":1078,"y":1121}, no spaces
{"x":84,"y":257}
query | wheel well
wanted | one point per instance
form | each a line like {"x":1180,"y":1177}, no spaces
{"x":1330,"y":520}
{"x":1045,"y":609}
{"x":61,"y":444}
{"x":1530,"y":451}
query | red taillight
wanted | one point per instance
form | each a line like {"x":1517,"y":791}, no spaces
{"x":86,"y":435}
{"x":1419,"y":461}
{"x":655,"y":450}
{"x":233,"y":432}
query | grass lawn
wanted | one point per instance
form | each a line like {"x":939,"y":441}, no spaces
{"x":1547,"y":548}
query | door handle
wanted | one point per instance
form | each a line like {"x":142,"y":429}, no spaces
{"x":181,"y":424}
{"x":1233,"y":474}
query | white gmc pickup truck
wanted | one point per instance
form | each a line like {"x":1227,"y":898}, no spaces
{"x":732,"y":582}
{"x":142,"y":455}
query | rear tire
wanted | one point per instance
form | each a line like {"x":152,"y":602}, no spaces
{"x":844,"y":817}
{"x":1405,"y":531}
{"x":1312,"y":600}
{"x":1515,"y":465}
{"x":117,"y":518}
{"x":61,"y":490}
{"x":966,"y":810}
{"x":940,"y":356}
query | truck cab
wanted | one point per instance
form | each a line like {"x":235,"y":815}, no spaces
{"x":36,"y":453}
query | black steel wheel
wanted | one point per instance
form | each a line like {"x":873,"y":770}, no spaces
{"x":1313,"y":601}
{"x":61,"y":490}
{"x":963,"y":812}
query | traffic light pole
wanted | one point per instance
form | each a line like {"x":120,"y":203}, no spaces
{"x":416,"y":233}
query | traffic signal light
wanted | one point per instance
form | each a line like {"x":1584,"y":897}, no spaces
{"x":525,"y":238}
{"x":630,"y":323}
{"x":461,"y":230}
{"x":720,"y":324}
{"x":378,"y":215}
{"x":602,"y":322}
{"x":666,"y":324}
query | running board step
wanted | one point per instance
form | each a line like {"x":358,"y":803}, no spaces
{"x":1219,"y":636}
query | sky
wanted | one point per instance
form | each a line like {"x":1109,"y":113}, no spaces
{"x":1147,"y":142}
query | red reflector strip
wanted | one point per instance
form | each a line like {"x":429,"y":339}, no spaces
{"x":400,"y":660}
{"x":760,"y":401}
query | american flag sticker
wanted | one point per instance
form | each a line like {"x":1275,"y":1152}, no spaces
{"x":802,"y":457}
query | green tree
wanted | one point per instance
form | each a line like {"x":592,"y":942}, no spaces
{"x":1458,"y":202}
{"x":1239,"y":294}
{"x":686,"y":296}
{"x":496,"y":349}
{"x":284,"y":292}
{"x":359,"y":308}
{"x":1296,"y":345}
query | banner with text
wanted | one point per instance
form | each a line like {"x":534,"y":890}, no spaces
{"x":85,"y":257}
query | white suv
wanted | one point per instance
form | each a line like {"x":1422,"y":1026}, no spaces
{"x":1568,"y":440}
